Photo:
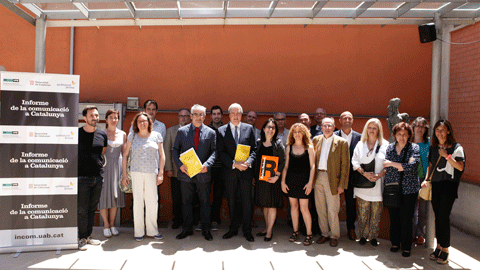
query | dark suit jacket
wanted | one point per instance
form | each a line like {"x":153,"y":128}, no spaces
{"x":227,"y":147}
{"x":206,"y":150}
{"x":355,"y":139}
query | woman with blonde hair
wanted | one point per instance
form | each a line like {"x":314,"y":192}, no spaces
{"x":369,"y":153}
{"x":297,"y":178}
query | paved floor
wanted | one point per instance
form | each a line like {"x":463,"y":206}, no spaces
{"x":194,"y":253}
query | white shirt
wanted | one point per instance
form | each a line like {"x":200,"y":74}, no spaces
{"x":347,"y":137}
{"x":326,"y":145}
{"x":360,"y":157}
{"x":284,"y":136}
{"x":232,"y":128}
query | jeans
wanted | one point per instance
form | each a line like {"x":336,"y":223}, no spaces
{"x":89,"y":190}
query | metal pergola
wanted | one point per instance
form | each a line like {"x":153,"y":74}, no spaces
{"x":72,"y":13}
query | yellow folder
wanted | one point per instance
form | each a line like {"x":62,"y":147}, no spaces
{"x":190,"y":159}
{"x":242,"y":153}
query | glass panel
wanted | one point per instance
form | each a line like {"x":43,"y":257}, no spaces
{"x":201,"y":5}
{"x":56,"y":6}
{"x":296,"y":4}
{"x":386,"y":5}
{"x":469,"y":6}
{"x":429,"y":5}
{"x":106,"y":5}
{"x":156,"y":5}
{"x":342,"y":5}
{"x":249,"y":4}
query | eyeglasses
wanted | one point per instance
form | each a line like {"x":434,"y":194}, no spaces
{"x":184,"y":116}
{"x":198,"y":115}
{"x":280,"y":119}
{"x":328,"y":126}
{"x":270,"y":127}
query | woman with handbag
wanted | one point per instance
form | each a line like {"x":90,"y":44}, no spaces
{"x":146,"y":168}
{"x":401,"y":187}
{"x":446,"y":166}
{"x":111,"y":197}
{"x":420,"y":137}
{"x":367,"y":161}
{"x":268,"y":192}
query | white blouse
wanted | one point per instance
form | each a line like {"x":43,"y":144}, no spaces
{"x":360,"y":157}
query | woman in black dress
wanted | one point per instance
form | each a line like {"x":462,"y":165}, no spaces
{"x":297,"y":178}
{"x":446,"y":164}
{"x":268,"y":193}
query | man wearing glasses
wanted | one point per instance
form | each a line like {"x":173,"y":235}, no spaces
{"x":171,"y":167}
{"x":203,"y":140}
{"x":282,"y":134}
{"x":332,"y":159}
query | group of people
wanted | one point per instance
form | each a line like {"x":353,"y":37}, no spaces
{"x":313,"y":165}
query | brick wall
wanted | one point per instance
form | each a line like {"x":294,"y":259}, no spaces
{"x":464,"y":97}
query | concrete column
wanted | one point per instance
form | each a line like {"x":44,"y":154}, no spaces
{"x":445,"y":72}
{"x":434,"y":116}
{"x":40,"y":41}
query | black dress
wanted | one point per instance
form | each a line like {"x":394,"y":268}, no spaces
{"x":298,"y":174}
{"x":266,"y":194}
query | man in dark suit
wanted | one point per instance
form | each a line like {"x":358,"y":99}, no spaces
{"x":316,"y":129}
{"x":352,"y":137}
{"x":203,"y":139}
{"x":238,"y":175}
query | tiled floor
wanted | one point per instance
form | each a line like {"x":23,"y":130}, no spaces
{"x":194,"y":253}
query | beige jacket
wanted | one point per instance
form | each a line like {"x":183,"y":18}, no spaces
{"x":167,"y":147}
{"x":338,"y":165}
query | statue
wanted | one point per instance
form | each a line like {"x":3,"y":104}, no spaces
{"x":394,"y":116}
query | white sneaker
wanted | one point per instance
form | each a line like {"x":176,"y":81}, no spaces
{"x":82,"y":244}
{"x":92,"y":241}
{"x":107,"y":233}
{"x":114,"y":231}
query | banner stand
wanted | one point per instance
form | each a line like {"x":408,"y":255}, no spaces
{"x":38,"y":161}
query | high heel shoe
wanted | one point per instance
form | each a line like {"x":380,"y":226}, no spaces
{"x":261,"y":234}
{"x":268,"y":239}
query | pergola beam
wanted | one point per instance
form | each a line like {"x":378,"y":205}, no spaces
{"x":272,"y":8}
{"x":317,"y":7}
{"x":18,"y":11}
{"x":406,"y":7}
{"x":361,"y":9}
{"x":83,"y":9}
{"x":131,"y":8}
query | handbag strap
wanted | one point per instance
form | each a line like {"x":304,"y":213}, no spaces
{"x":404,"y":159}
{"x":434,"y":168}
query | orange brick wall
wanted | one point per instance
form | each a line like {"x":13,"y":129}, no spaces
{"x":464,"y":97}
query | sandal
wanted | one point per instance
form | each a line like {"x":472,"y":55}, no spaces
{"x":442,"y":258}
{"x":434,"y":255}
{"x":294,"y":236}
{"x":308,"y":240}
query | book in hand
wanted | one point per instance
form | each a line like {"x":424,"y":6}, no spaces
{"x":268,"y":167}
{"x":242,"y":153}
{"x":190,"y":159}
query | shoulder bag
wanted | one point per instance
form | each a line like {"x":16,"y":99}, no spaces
{"x":127,"y":188}
{"x":426,"y":192}
{"x":360,"y":181}
{"x":392,"y":192}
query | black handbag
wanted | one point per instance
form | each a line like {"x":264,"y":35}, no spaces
{"x":360,"y":181}
{"x":392,"y":192}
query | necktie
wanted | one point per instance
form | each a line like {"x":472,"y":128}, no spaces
{"x":197,"y":137}
{"x":236,"y":134}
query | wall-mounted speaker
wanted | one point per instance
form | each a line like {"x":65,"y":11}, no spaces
{"x":427,"y":32}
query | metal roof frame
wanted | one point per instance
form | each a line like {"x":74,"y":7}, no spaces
{"x":407,"y":12}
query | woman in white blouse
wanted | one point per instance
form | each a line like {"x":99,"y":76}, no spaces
{"x":369,"y":200}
